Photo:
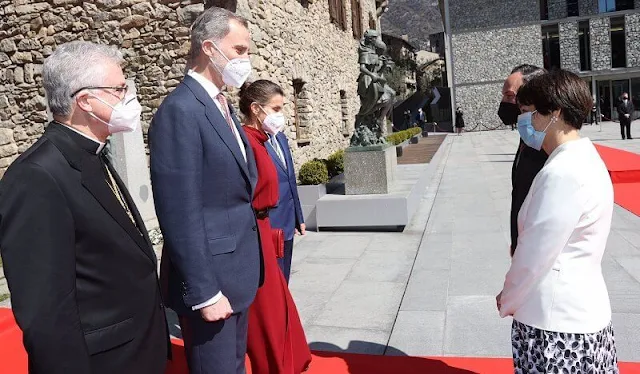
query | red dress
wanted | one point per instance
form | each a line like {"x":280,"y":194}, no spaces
{"x":276,"y":343}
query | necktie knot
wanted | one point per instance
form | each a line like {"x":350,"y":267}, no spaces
{"x":225,"y":109}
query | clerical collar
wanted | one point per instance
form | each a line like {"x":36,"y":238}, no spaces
{"x":85,"y":142}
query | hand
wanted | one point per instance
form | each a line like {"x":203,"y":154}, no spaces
{"x":627,"y":115}
{"x":218,"y":311}
{"x":303,"y":229}
{"x":498,"y":304}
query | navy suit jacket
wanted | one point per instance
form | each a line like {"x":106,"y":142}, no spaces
{"x":203,"y":189}
{"x":288,"y":214}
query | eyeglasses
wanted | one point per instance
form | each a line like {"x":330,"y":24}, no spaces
{"x":121,"y":91}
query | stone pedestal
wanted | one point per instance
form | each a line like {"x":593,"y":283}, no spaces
{"x":127,"y":153}
{"x":369,"y":170}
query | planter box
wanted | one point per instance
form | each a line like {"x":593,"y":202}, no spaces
{"x":309,"y":196}
{"x":415,"y":139}
{"x":369,"y":170}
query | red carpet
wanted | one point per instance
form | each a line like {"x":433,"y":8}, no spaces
{"x":13,"y":360}
{"x":624,"y":168}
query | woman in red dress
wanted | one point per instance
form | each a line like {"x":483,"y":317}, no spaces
{"x":276,"y":342}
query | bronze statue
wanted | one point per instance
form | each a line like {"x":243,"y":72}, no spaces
{"x":376,"y":97}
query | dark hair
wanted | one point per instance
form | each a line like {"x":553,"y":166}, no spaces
{"x":260,"y":91}
{"x":558,"y":89}
{"x":528,"y":71}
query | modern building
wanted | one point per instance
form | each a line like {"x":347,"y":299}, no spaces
{"x":485,"y":39}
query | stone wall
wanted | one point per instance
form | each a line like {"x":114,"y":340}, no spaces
{"x":490,"y":55}
{"x":632,"y":30}
{"x":474,"y":14}
{"x":290,"y":42}
{"x":600,"y":43}
{"x":588,"y":7}
{"x":481,"y":62}
{"x":557,"y":9}
{"x":569,"y":46}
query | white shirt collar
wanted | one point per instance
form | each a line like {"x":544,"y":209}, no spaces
{"x":208,"y":86}
{"x":100,"y":144}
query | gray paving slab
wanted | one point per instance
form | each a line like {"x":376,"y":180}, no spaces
{"x":418,"y":334}
{"x":427,"y":290}
{"x":340,"y":339}
{"x":383,"y":266}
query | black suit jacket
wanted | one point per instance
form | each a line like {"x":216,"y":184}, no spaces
{"x":527,"y":164}
{"x":625,"y":109}
{"x":83,"y":281}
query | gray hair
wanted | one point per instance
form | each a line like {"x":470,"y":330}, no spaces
{"x":72,"y":66}
{"x":212,"y":24}
{"x":528,"y":72}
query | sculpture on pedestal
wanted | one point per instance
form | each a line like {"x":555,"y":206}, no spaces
{"x":376,"y":97}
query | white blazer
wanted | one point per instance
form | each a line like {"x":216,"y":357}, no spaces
{"x":555,"y":281}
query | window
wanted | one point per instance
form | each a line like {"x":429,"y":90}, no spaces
{"x":301,"y":111}
{"x":614,"y":5}
{"x":572,"y":8}
{"x":356,"y":19}
{"x":551,"y":46}
{"x":618,"y":45}
{"x":585,"y":45}
{"x":544,"y":9}
{"x":338,"y":14}
{"x":344,"y":109}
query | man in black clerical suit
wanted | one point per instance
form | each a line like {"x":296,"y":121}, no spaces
{"x":77,"y":257}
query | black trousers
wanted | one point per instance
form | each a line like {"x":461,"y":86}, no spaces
{"x":625,"y":126}
{"x":285,"y":263}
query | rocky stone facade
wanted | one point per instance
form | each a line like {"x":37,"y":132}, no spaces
{"x":474,"y":14}
{"x":632,"y":30}
{"x":293,"y":41}
{"x":557,"y":9}
{"x":481,"y":67}
{"x":589,"y":7}
{"x":569,"y":46}
{"x":600,"y":43}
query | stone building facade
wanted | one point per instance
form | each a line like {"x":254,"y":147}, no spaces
{"x":487,"y":38}
{"x":309,"y":47}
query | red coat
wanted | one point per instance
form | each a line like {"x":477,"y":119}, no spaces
{"x":276,"y":342}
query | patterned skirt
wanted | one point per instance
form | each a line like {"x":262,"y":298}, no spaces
{"x":539,"y":351}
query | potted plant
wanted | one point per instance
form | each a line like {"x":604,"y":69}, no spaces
{"x":313,"y":176}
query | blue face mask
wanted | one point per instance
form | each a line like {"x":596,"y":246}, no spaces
{"x":529,"y":135}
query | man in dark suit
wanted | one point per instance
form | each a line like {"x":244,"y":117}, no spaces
{"x":78,"y":260}
{"x":288,"y":214}
{"x":528,"y":161}
{"x":625,"y":115}
{"x":203,"y":175}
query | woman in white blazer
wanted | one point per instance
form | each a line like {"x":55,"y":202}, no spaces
{"x":554,"y":289}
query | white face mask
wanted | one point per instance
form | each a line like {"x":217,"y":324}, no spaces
{"x":125,"y":116}
{"x":235,"y":72}
{"x":273,"y":123}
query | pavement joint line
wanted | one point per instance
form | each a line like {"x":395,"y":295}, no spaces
{"x":437,"y":176}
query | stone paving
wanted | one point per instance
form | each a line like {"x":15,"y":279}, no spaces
{"x":431,"y":289}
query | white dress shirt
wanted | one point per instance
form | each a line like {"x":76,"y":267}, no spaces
{"x":555,"y":282}
{"x":273,"y":142}
{"x":213,"y":91}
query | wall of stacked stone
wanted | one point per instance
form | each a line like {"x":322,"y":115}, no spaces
{"x":473,"y":14}
{"x":569,"y":46}
{"x":290,"y":42}
{"x":482,"y":60}
{"x":632,"y":30}
{"x":557,"y":9}
{"x":599,"y":29}
{"x":588,"y":7}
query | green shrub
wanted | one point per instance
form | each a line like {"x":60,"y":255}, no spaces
{"x":400,"y":136}
{"x":335,"y":163}
{"x":313,"y":172}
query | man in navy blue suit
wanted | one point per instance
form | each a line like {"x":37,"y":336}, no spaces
{"x":288,"y":214}
{"x":203,"y":175}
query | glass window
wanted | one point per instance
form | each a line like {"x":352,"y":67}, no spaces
{"x":551,"y":46}
{"x":544,"y":9}
{"x":572,"y":8}
{"x":614,"y":5}
{"x":585,"y":46}
{"x":618,"y":43}
{"x":635,"y":95}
